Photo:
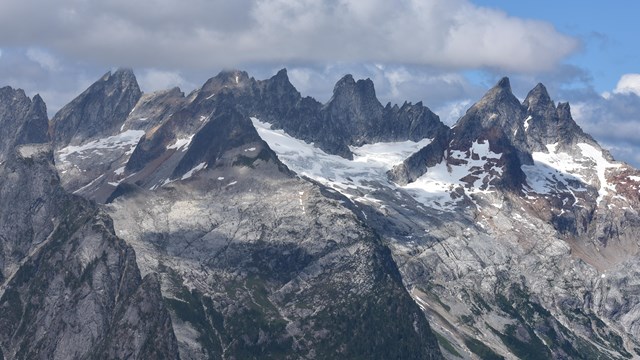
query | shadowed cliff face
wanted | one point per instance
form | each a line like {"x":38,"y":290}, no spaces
{"x":69,"y":288}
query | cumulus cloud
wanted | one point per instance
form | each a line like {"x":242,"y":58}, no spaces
{"x":628,"y":84}
{"x":613,"y":120}
{"x":216,"y":33}
{"x":153,"y":79}
{"x":43,"y":58}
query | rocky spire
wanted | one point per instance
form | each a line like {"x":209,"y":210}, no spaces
{"x":99,"y":111}
{"x":22,"y":120}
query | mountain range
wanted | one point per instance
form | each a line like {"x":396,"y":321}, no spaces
{"x":245,"y":221}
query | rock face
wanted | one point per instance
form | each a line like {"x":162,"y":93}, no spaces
{"x":22,"y":120}
{"x":270,"y":225}
{"x":98,"y":111}
{"x":514,"y":230}
{"x":253,"y":262}
{"x":69,"y":288}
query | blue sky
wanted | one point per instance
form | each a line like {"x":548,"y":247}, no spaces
{"x":446,"y":53}
{"x":608,"y":31}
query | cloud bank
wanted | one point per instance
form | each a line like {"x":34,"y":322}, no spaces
{"x":453,"y":34}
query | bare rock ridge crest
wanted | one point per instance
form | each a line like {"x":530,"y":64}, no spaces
{"x":266,"y":224}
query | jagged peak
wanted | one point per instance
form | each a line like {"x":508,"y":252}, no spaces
{"x":230,"y":75}
{"x":504,"y":83}
{"x":38,"y":103}
{"x":538,"y":97}
{"x":122,"y":75}
{"x":500,"y":93}
{"x":225,"y":78}
{"x":281,"y":81}
{"x":564,"y":110}
{"x":364,"y":87}
{"x":281,"y":74}
{"x":7,"y":91}
{"x":345,"y":81}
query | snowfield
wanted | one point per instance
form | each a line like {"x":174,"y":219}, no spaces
{"x":357,"y":178}
{"x":129,"y":138}
{"x":556,"y":170}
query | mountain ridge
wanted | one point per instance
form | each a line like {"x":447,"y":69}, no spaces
{"x":275,"y":224}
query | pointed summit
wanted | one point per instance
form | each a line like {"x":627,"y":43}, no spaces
{"x":498,"y":108}
{"x":538,"y":99}
{"x":281,"y":75}
{"x":504,"y":83}
{"x":498,"y":98}
{"x":281,"y":85}
{"x":361,"y":91}
{"x":22,"y":120}
{"x":98,"y":111}
{"x":355,"y":108}
{"x":226,"y":79}
{"x":345,"y":81}
{"x":36,"y":124}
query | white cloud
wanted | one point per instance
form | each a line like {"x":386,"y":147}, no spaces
{"x":613,"y":121}
{"x":153,"y":79}
{"x":452,"y":34}
{"x":452,"y":111}
{"x":393,"y":83}
{"x":628,"y":83}
{"x":43,"y":58}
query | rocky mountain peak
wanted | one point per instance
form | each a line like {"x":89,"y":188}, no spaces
{"x":498,"y":111}
{"x":504,"y":83}
{"x":226,"y":79}
{"x":348,"y":88}
{"x":13,"y":102}
{"x":280,"y":85}
{"x":538,"y":97}
{"x":355,"y":108}
{"x":281,"y":76}
{"x":499,"y":95}
{"x":36,"y":123}
{"x":22,"y":120}
{"x":99,"y":111}
{"x":123,"y":76}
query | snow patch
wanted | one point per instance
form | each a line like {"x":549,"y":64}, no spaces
{"x":602,"y":165}
{"x":370,"y":163}
{"x":89,"y":184}
{"x":193,"y":171}
{"x":31,"y":150}
{"x":127,"y":139}
{"x":436,"y":185}
{"x":119,"y":171}
{"x":368,"y":170}
{"x":559,"y":169}
{"x":181,"y":144}
{"x":527,"y":123}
